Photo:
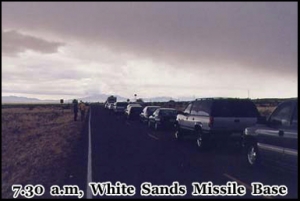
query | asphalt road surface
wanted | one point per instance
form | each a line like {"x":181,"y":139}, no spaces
{"x":127,"y":151}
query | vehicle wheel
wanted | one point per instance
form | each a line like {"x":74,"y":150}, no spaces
{"x":252,"y":155}
{"x":156,"y":127}
{"x":178,"y":133}
{"x":202,"y":143}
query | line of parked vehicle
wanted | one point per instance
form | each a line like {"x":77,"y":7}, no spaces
{"x":272,"y":140}
{"x":154,"y":116}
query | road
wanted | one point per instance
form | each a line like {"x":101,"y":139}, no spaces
{"x":129,"y":152}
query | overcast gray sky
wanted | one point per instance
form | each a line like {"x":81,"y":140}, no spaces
{"x":53,"y":50}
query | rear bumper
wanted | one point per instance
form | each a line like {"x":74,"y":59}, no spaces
{"x":220,"y":135}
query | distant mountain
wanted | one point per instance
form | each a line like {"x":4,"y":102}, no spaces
{"x":103,"y":97}
{"x":158,"y":99}
{"x":93,"y":98}
{"x":98,"y":98}
{"x":19,"y":99}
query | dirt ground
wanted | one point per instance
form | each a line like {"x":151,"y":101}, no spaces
{"x":37,"y":143}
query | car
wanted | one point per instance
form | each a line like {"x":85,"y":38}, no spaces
{"x":275,"y":141}
{"x":147,"y":112}
{"x":119,"y":107}
{"x":216,"y":119}
{"x":110,"y":100}
{"x":129,"y":105}
{"x":162,"y":118}
{"x":133,"y":112}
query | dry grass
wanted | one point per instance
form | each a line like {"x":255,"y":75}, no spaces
{"x":36,"y":145}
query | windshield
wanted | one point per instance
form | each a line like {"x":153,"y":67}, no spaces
{"x":168,"y":112}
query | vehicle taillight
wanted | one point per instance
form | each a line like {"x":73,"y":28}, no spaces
{"x":211,"y":121}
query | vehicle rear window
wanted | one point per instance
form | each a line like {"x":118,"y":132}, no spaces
{"x":234,"y":108}
{"x":168,"y":112}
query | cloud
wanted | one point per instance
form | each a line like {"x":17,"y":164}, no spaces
{"x":260,"y":35}
{"x":14,"y":42}
{"x":150,"y":48}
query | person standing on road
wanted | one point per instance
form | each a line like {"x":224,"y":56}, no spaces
{"x":82,"y":110}
{"x":75,"y":109}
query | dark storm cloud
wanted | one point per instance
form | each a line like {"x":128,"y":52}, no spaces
{"x":259,"y":35}
{"x":14,"y":42}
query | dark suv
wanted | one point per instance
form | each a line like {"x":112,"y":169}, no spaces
{"x":276,"y":140}
{"x":211,"y":119}
{"x":134,"y":112}
{"x":163,"y":118}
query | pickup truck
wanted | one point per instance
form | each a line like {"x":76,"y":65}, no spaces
{"x":275,"y":141}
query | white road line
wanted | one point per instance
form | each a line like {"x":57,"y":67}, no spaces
{"x":243,"y":183}
{"x":89,"y":168}
{"x":153,"y":136}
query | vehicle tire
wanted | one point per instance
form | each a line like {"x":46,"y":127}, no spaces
{"x":178,"y":133}
{"x":252,"y":155}
{"x":156,"y":127}
{"x":202,"y":142}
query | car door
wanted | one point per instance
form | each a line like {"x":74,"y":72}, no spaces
{"x":270,"y":138}
{"x":183,"y":118}
{"x":290,"y":141}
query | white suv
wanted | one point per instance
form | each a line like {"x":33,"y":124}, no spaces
{"x":211,"y":119}
{"x":130,"y":105}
